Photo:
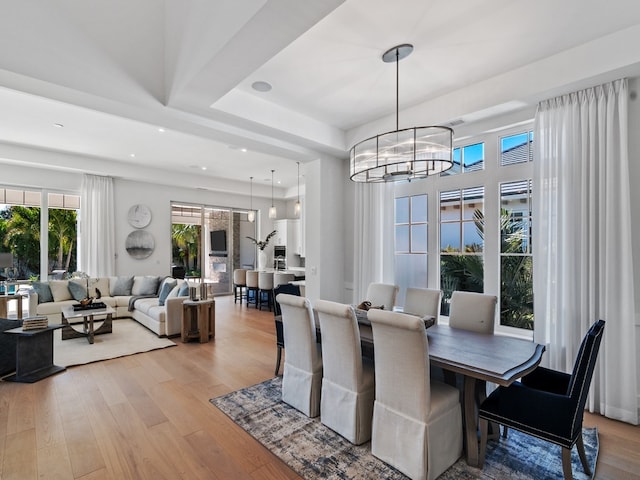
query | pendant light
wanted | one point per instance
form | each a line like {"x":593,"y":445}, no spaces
{"x":272,"y":210}
{"x":406,"y":154}
{"x":297,"y":207}
{"x":251,"y":214}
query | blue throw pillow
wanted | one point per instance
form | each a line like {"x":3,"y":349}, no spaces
{"x":167,"y":286}
{"x":184,"y":290}
{"x":77,"y":290}
{"x":43,"y":291}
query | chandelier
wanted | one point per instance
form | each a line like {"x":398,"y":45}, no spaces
{"x":406,"y":154}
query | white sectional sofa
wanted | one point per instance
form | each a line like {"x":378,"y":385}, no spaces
{"x":155,"y":302}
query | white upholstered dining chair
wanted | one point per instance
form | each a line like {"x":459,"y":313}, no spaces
{"x":473,"y":311}
{"x":417,"y":422}
{"x":346,"y":402}
{"x":382,"y":294}
{"x":422,"y":302}
{"x":302,"y":377}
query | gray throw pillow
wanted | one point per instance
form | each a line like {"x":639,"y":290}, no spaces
{"x":147,"y":285}
{"x":43,"y":291}
{"x":121,"y":286}
{"x":165,"y":289}
{"x":77,"y":291}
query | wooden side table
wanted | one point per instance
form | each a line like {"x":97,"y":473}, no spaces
{"x":4,"y":300}
{"x":198,"y":320}
{"x":34,"y":354}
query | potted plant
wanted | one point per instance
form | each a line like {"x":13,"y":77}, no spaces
{"x":262,"y":244}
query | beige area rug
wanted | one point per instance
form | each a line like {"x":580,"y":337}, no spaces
{"x":128,"y":338}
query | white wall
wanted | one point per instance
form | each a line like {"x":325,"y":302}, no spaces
{"x":128,"y":193}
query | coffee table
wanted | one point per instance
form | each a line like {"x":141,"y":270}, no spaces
{"x":87,"y":317}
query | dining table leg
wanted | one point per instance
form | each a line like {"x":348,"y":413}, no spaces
{"x":471,"y":420}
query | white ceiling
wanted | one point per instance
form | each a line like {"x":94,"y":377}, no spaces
{"x":112,"y":72}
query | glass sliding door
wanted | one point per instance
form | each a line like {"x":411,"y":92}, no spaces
{"x":208,"y":243}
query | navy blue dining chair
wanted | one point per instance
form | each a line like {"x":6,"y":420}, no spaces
{"x":547,"y":404}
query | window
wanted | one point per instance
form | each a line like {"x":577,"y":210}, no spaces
{"x":516,"y":261}
{"x":461,"y":242}
{"x":20,"y":231}
{"x":516,"y":148}
{"x":483,"y":225}
{"x":411,"y":234}
{"x":467,"y":159}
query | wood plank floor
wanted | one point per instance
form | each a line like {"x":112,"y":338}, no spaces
{"x":148,"y":416}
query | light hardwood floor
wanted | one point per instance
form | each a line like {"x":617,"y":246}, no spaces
{"x":148,"y":416}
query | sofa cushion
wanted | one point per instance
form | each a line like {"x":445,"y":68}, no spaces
{"x":158,"y":313}
{"x":78,"y":290}
{"x":147,"y":285}
{"x":60,"y":290}
{"x":44,"y":292}
{"x":53,"y":307}
{"x":101,"y":284}
{"x":145,"y":304}
{"x":168,"y":284}
{"x":120,"y":286}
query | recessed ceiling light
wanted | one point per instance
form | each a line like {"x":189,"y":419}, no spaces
{"x":261,"y":86}
{"x":243,"y":149}
{"x":161,"y":130}
{"x":203,"y":168}
{"x":58,"y":125}
{"x":132,"y":155}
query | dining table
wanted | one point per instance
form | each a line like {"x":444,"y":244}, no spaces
{"x":477,"y":357}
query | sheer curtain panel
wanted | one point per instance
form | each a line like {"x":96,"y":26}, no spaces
{"x":98,"y":226}
{"x":583,"y":268}
{"x":373,"y":235}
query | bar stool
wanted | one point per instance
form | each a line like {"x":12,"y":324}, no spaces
{"x":252,"y":287}
{"x":280,"y":278}
{"x":239,"y":284}
{"x":265,"y":289}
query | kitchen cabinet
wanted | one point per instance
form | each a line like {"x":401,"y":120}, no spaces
{"x":288,"y":235}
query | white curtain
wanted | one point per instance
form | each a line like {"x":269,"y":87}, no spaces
{"x":373,"y":236}
{"x":98,"y":226}
{"x":583,"y":267}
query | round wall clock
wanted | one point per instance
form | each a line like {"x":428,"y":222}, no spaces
{"x":139,"y":216}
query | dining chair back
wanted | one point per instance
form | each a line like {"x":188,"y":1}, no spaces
{"x":291,"y":290}
{"x":422,"y":302}
{"x":382,"y":294}
{"x":239,"y":284}
{"x":252,"y":287}
{"x":473,"y":311}
{"x":547,"y":404}
{"x":265,"y":289}
{"x":302,"y":378}
{"x":417,"y":422}
{"x":346,"y":401}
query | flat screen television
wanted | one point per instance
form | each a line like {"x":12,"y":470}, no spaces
{"x":219,"y":242}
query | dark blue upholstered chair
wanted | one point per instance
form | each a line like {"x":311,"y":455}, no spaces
{"x":291,"y":290}
{"x":547,"y":404}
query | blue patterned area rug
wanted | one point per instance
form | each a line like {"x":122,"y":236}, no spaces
{"x":316,"y":452}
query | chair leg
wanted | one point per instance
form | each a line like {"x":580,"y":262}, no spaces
{"x":484,"y":431}
{"x":278,"y":358}
{"x":566,"y":463}
{"x":583,"y":455}
{"x":505,"y":431}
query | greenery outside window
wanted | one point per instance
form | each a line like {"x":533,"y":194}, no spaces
{"x":461,"y":242}
{"x":20,"y":232}
{"x":516,"y":260}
